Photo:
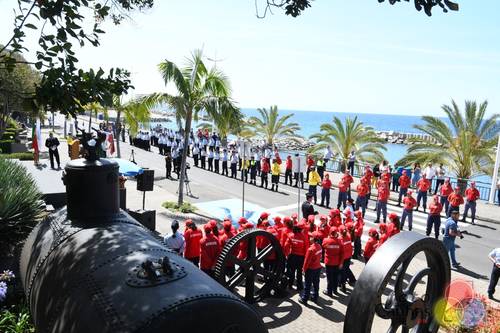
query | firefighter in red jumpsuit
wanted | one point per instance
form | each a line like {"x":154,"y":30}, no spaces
{"x":334,"y":259}
{"x":192,"y":236}
{"x":312,"y":269}
{"x":209,"y":250}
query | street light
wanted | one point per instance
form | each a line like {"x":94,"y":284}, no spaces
{"x":299,"y":164}
{"x":495,"y":174}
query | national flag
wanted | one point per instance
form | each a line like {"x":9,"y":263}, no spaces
{"x":111,"y":141}
{"x":37,"y":137}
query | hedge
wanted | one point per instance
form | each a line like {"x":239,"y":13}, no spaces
{"x":5,"y":146}
{"x":27,"y":156}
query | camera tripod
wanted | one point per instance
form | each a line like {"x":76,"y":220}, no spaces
{"x":188,"y":187}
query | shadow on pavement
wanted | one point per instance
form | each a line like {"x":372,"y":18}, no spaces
{"x":470,"y":273}
{"x":277,"y":312}
{"x":485,"y":226}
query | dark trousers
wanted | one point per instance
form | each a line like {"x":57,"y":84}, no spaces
{"x":263,"y":179}
{"x":495,"y":274}
{"x":210,"y":164}
{"x":446,"y":204}
{"x":225,"y":171}
{"x":169,"y":170}
{"x":472,"y":206}
{"x":342,"y":199}
{"x":325,"y":195}
{"x":52,"y":154}
{"x":244,"y":175}
{"x":203,"y":165}
{"x":332,"y":278}
{"x":422,"y":196}
{"x":321,"y":172}
{"x":233,"y":170}
{"x":357,"y":248}
{"x":288,"y":176}
{"x":294,"y":270}
{"x":395,"y":185}
{"x":311,"y":280}
{"x":407,"y":213}
{"x":350,"y":167}
{"x":402,"y":193}
{"x":438,"y":182}
{"x":253,"y":175}
{"x":347,"y":274}
{"x":216,"y":165}
{"x":239,"y":164}
{"x":361,"y":202}
{"x":381,"y":208}
{"x":498,"y":197}
{"x":433,"y":220}
{"x":299,"y":176}
{"x":313,"y":191}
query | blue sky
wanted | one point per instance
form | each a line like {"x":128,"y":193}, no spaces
{"x":345,"y":56}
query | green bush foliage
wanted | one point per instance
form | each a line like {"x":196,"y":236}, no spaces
{"x":186,"y":207}
{"x":16,"y":319}
{"x":19,"y":156}
{"x":5,"y":146}
{"x":20,"y":202}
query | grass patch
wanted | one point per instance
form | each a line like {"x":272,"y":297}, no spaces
{"x":186,"y":207}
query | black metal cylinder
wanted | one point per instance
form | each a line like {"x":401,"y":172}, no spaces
{"x":92,"y":189}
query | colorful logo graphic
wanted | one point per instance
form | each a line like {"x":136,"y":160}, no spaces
{"x":462,"y":309}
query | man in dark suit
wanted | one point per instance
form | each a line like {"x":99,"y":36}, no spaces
{"x":307,"y":207}
{"x":52,"y":143}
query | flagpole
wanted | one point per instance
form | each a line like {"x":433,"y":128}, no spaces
{"x":495,"y":174}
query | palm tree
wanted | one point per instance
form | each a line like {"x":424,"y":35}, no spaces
{"x":198,"y":89}
{"x":465,"y":143}
{"x":350,"y":136}
{"x":93,"y":108}
{"x":270,"y":126}
{"x":227,"y":120}
{"x":134,"y":113}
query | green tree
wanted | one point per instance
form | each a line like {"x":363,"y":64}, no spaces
{"x":270,"y":126}
{"x":198,"y":89}
{"x":93,"y":109}
{"x":349,"y":136}
{"x":465,"y":142}
{"x":16,"y":92}
{"x":227,"y":120}
{"x":134,"y":113}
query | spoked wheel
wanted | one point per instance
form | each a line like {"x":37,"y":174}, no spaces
{"x":249,"y":272}
{"x":388,"y":290}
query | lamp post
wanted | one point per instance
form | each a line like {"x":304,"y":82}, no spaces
{"x":495,"y":174}
{"x":243,"y":180}
{"x":299,"y":164}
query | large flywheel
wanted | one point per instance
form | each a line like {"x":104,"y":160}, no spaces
{"x":398,"y":289}
{"x":241,"y":266}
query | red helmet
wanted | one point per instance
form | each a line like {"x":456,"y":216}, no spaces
{"x":242,"y":221}
{"x":372,"y":232}
{"x":382,"y":226}
{"x":264,"y":215}
{"x":248,"y":225}
{"x":310,"y":219}
{"x":393,"y":216}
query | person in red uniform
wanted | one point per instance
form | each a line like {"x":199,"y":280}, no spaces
{"x":394,"y":226}
{"x":192,"y":236}
{"x":288,"y":170}
{"x":323,"y":227}
{"x":471,"y":195}
{"x":335,"y":218}
{"x":346,"y":274}
{"x":333,"y":261}
{"x":368,"y":175}
{"x":404,"y":183}
{"x":347,"y":178}
{"x":278,"y":225}
{"x":215,"y":228}
{"x":382,"y":197}
{"x":312,"y":269}
{"x":295,"y":218}
{"x":383,"y":234}
{"x":455,"y":199}
{"x":242,"y":251}
{"x":270,"y":261}
{"x":241,"y":222}
{"x":265,"y":168}
{"x":310,"y":163}
{"x":342,"y":198}
{"x":311,"y":226}
{"x":228,"y":232}
{"x":385,"y":177}
{"x":434,"y":217}
{"x":423,"y":186}
{"x":362,"y":199}
{"x":209,"y":250}
{"x":409,"y":203}
{"x":371,"y":244}
{"x":286,"y":230}
{"x":295,"y":250}
{"x":358,"y":232}
{"x":326,"y":185}
{"x":444,"y":192}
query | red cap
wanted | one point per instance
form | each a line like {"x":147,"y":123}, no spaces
{"x":242,"y":220}
{"x":264,"y":215}
{"x":393,"y":216}
{"x":372,"y":231}
{"x":382,"y":226}
{"x":294,"y":216}
{"x":323,"y":217}
{"x":301,"y":225}
{"x":316,"y":235}
{"x":333,"y":230}
{"x":227,"y":218}
{"x":248,"y":225}
{"x":334,"y":211}
{"x":277,"y":219}
{"x":349,"y":226}
{"x":188,"y":222}
{"x":207,"y":227}
{"x":227,"y":224}
{"x":287,"y":219}
{"x":358,"y":213}
{"x":212,"y":223}
{"x":310,"y":219}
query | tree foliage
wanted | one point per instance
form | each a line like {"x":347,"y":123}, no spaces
{"x":466,"y":143}
{"x":351,"y":135}
{"x":61,"y":26}
{"x":295,"y":7}
{"x":270,"y":126}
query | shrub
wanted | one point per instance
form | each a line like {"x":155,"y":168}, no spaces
{"x":16,"y":319}
{"x":20,"y":203}
{"x":27,"y":156}
{"x":5,"y":146}
{"x":11,"y":123}
{"x":8,"y":135}
{"x":186,"y":207}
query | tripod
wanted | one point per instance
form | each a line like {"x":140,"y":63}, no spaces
{"x":188,"y":187}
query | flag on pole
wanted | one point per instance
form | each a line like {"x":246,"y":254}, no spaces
{"x":111,"y":141}
{"x":37,"y":137}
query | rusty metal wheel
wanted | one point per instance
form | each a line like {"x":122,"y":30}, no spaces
{"x":249,"y":272}
{"x":386,"y":289}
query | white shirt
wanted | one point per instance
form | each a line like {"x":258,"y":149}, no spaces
{"x":224,"y":156}
{"x":496,"y":255}
{"x":429,"y":172}
{"x":176,"y":243}
{"x":328,"y":154}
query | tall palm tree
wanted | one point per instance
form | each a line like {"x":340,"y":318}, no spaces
{"x":349,"y":136}
{"x":227,"y":120}
{"x":134,"y":113}
{"x":198,"y":89}
{"x":270,"y":126}
{"x":93,"y":108}
{"x":465,"y":143}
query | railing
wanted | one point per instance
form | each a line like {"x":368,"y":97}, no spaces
{"x":335,"y":166}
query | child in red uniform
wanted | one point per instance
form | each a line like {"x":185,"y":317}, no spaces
{"x":312,"y":269}
{"x":270,"y":261}
{"x":358,"y":232}
{"x":342,"y":193}
{"x":228,"y":232}
{"x":241,"y":222}
{"x":423,"y":186}
{"x":346,"y":274}
{"x":409,"y":203}
{"x":326,"y":184}
{"x":471,"y":194}
{"x":404,"y":183}
{"x":288,"y":170}
{"x":382,"y":197}
{"x":295,"y":250}
{"x":444,"y":191}
{"x":370,"y":244}
{"x":434,"y":217}
{"x":192,"y":236}
{"x":394,"y":227}
{"x":455,"y":200}
{"x":348,"y":180}
{"x":384,"y":235}
{"x":333,"y":261}
{"x":335,"y":218}
{"x":286,"y":230}
{"x":362,"y":199}
{"x":209,"y":250}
